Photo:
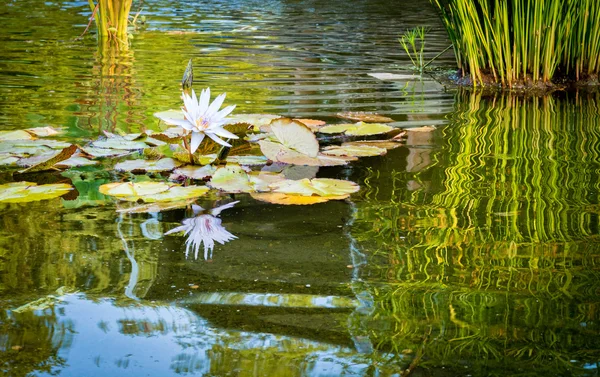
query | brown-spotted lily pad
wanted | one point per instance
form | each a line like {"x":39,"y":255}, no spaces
{"x":46,"y":161}
{"x":354,"y":150}
{"x":164,"y":164}
{"x":357,"y":129}
{"x":194,"y":172}
{"x":364,"y":117}
{"x":19,"y":192}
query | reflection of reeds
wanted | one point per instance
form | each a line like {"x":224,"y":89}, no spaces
{"x":499,"y":255}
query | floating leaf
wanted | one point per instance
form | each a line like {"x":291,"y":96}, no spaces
{"x":256,"y":120}
{"x":421,"y":129}
{"x":231,"y":178}
{"x":76,"y":161}
{"x":18,"y":192}
{"x":247,"y":160}
{"x":15,"y":135}
{"x":150,"y":192}
{"x":292,"y":199}
{"x":279,"y":153}
{"x":316,"y":186}
{"x":119,"y":143}
{"x":295,"y":136}
{"x":357,"y":129}
{"x":170,"y":114}
{"x":194,"y":172}
{"x":364,"y":117}
{"x":387,"y":144}
{"x":164,"y":164}
{"x":45,"y":162}
{"x":124,"y":189}
{"x":157,"y":207}
{"x":8,"y":159}
{"x":103,"y":152}
{"x":354,"y":150}
{"x":31,"y":147}
{"x":262,"y":180}
{"x":313,"y":124}
{"x":43,"y":131}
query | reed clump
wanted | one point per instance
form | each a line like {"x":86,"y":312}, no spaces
{"x":524,"y":42}
{"x":111,"y":17}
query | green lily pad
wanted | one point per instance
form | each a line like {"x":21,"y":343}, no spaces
{"x":15,"y":135}
{"x":76,"y":161}
{"x":357,"y":129}
{"x":364,"y":117}
{"x":169,"y":114}
{"x":232,"y":179}
{"x":194,"y":172}
{"x":354,"y":150}
{"x":8,"y":159}
{"x":19,"y":192}
{"x":104,"y":152}
{"x":45,"y":162}
{"x":247,"y":160}
{"x":119,"y":143}
{"x":164,"y":164}
{"x":316,"y":186}
{"x":151,"y":192}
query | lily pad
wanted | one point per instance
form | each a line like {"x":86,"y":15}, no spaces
{"x":354,"y":150}
{"x":421,"y":129}
{"x":44,"y":131}
{"x":194,"y":172}
{"x":126,"y":189}
{"x":357,"y":129}
{"x":15,"y":135}
{"x":119,"y":143}
{"x":277,"y":152}
{"x":8,"y":159}
{"x":292,"y":199}
{"x":169,"y":114}
{"x":313,"y":124}
{"x":164,"y":164}
{"x":393,"y":76}
{"x":151,"y":192}
{"x":256,"y":120}
{"x":295,"y":136}
{"x":75,"y":161}
{"x":19,"y":192}
{"x":156,"y":207}
{"x":232,"y":179}
{"x":387,"y":144}
{"x":103,"y":152}
{"x":247,"y":160}
{"x":45,"y":161}
{"x":316,"y":186}
{"x":364,"y":117}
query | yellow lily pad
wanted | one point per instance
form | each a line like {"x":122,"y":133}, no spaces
{"x":293,"y":199}
{"x":19,"y":192}
{"x":164,"y":164}
{"x":156,"y":207}
{"x":172,"y":194}
{"x":316,"y":186}
{"x":354,"y":150}
{"x":357,"y":129}
{"x":231,"y":178}
{"x":387,"y":144}
{"x":194,"y":172}
{"x":15,"y":135}
{"x":256,"y":120}
{"x":313,"y":124}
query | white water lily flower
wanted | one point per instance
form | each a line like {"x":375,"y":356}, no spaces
{"x":203,"y":118}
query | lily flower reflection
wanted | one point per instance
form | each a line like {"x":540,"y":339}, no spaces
{"x":204,"y":229}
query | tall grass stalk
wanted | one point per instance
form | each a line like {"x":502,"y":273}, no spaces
{"x":111,"y":17}
{"x":519,"y":41}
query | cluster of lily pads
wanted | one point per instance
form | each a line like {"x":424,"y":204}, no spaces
{"x":271,"y":157}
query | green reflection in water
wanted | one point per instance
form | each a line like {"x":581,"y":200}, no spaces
{"x":489,"y":262}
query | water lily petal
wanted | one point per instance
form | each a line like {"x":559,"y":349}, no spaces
{"x":197,"y":138}
{"x":223,"y":133}
{"x":217,"y":140}
{"x":223,"y":113}
{"x":190,"y":119}
{"x":177,"y":122}
{"x":204,"y":100}
{"x":215,"y":105}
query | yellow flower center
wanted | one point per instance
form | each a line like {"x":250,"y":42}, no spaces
{"x":201,"y":124}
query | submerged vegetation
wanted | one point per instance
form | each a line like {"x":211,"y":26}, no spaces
{"x":523,"y":42}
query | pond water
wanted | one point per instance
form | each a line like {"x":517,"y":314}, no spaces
{"x":472,"y":249}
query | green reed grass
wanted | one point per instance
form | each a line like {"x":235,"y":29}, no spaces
{"x":520,"y":41}
{"x":111,"y":17}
